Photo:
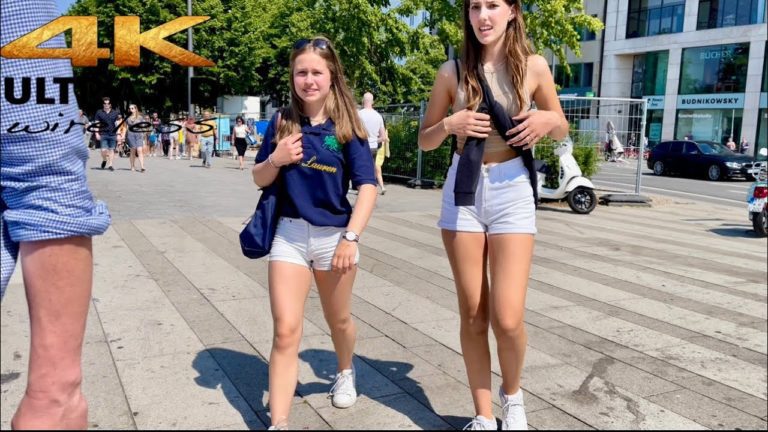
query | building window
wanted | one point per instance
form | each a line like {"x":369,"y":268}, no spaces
{"x":762,"y":131}
{"x":765,"y":70}
{"x":728,"y":13}
{"x":581,"y":75}
{"x":649,"y":74}
{"x":654,"y":17}
{"x":709,"y":124}
{"x":714,"y":69}
{"x":586,"y":35}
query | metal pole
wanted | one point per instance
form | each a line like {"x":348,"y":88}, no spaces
{"x":641,"y":147}
{"x":422,"y":110}
{"x":190,"y":69}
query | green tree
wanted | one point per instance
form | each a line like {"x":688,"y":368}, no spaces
{"x":250,"y":41}
{"x":552,"y":24}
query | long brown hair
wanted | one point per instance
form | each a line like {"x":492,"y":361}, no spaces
{"x":517,"y":49}
{"x":339,"y":105}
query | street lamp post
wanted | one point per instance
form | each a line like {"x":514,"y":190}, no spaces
{"x":190,"y":71}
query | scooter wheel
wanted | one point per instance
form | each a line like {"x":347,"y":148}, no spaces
{"x":760,"y":222}
{"x":582,"y":200}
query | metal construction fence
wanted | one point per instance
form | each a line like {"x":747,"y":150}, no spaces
{"x":595,"y":123}
{"x":606,"y":132}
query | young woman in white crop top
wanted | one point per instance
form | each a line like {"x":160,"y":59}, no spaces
{"x":498,"y":230}
{"x":238,"y":139}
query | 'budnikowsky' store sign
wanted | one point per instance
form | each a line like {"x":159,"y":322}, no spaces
{"x":724,"y":100}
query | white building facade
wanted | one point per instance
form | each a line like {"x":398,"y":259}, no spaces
{"x":699,"y":63}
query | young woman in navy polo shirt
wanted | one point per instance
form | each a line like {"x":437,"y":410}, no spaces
{"x":316,"y":146}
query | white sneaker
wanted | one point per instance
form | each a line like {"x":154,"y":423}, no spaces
{"x":481,"y":423}
{"x":343,"y":392}
{"x":513,"y":411}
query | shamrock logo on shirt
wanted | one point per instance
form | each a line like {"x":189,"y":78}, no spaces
{"x":331,"y":143}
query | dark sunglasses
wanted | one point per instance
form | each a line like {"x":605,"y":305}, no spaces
{"x":316,"y":43}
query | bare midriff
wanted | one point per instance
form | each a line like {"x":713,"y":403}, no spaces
{"x":496,"y":148}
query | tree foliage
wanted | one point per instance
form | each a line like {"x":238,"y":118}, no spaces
{"x":250,"y":42}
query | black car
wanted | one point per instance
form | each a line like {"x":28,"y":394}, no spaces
{"x":698,"y":158}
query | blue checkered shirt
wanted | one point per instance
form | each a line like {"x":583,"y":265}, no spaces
{"x":43,"y":188}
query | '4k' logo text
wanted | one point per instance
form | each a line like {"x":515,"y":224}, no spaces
{"x":129,"y":39}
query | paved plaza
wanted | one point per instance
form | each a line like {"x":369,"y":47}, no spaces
{"x":637,"y":318}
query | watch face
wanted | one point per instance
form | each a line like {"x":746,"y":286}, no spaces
{"x":350,"y":236}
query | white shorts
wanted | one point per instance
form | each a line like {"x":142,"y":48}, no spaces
{"x":299,"y":242}
{"x":503,"y":201}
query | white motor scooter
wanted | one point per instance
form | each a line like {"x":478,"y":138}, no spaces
{"x":577,"y":190}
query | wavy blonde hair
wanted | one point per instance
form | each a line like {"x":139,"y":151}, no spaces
{"x":339,"y":105}
{"x":517,"y":48}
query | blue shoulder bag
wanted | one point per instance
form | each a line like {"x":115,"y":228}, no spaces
{"x":256,"y":238}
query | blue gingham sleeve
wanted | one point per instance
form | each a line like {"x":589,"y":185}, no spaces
{"x":44,"y":193}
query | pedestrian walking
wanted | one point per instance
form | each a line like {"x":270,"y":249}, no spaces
{"x":122,"y":130}
{"x":488,"y":218}
{"x":207,"y":138}
{"x":83,"y":120}
{"x":314,"y":148}
{"x":135,"y":137}
{"x":239,"y":132}
{"x":377,"y":134}
{"x":191,"y":137}
{"x":744,"y":145}
{"x":106,"y":118}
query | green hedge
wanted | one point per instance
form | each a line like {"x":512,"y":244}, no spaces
{"x":585,"y":151}
{"x":403,"y":161}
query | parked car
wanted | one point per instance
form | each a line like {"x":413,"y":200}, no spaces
{"x":709,"y":159}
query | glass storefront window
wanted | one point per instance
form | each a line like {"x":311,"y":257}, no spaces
{"x":709,"y":124}
{"x":581,"y":75}
{"x":649,"y":74}
{"x":728,"y":13}
{"x":653,"y":123}
{"x":762,"y":130}
{"x":765,"y":70}
{"x":649,"y":18}
{"x":714,"y":69}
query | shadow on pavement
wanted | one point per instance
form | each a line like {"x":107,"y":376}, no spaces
{"x":737,"y":231}
{"x":323,"y":363}
{"x":246,"y":383}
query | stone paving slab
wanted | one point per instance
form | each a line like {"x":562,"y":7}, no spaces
{"x":638,"y":318}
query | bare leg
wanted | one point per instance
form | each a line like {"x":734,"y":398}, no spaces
{"x":510,"y":263}
{"x":140,"y":151}
{"x":58,"y":277}
{"x":335,"y":295}
{"x":379,"y":176}
{"x":288,"y":290}
{"x":468,"y":257}
{"x":133,"y":158}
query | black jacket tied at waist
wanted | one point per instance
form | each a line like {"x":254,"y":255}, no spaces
{"x":468,"y":170}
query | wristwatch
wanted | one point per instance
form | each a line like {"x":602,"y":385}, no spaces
{"x":351,"y":236}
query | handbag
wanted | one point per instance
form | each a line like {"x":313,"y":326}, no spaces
{"x":256,"y":238}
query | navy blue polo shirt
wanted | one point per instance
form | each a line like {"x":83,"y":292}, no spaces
{"x":316,"y":188}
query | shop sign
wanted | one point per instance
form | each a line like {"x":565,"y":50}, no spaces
{"x":711,"y":101}
{"x":654,"y":102}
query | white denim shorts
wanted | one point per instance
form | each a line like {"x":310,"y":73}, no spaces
{"x":503,"y":201}
{"x":299,"y":242}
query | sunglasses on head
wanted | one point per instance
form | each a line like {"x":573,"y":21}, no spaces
{"x":316,"y":43}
